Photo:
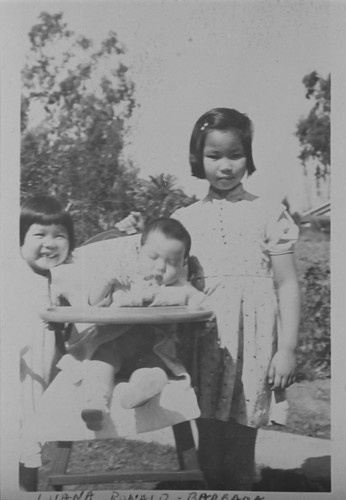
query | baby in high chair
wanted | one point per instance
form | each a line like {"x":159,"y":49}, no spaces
{"x":146,"y":353}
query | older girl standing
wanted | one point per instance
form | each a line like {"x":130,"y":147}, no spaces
{"x":244,"y":245}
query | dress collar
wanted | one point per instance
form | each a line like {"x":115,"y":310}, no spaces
{"x":234,"y":195}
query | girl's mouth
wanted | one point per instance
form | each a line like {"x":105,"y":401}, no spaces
{"x":157,"y":278}
{"x":48,"y":256}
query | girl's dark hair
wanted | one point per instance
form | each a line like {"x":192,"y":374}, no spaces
{"x":171,"y":228}
{"x":45,"y":210}
{"x":220,"y":119}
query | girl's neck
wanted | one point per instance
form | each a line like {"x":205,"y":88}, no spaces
{"x":237,"y":193}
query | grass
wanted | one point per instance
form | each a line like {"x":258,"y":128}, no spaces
{"x":309,"y":409}
{"x":312,"y":248}
{"x":313,"y":265}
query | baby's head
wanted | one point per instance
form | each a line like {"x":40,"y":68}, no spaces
{"x":165,"y":247}
{"x":46,"y":233}
{"x":220,"y":119}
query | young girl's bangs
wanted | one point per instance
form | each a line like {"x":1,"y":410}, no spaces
{"x":45,"y":212}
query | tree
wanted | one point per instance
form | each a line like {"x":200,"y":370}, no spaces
{"x":160,"y":197}
{"x":313,"y":131}
{"x":84,"y":99}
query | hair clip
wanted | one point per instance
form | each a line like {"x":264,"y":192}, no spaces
{"x":204,"y":126}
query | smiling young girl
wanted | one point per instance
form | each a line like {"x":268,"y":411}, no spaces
{"x":244,"y":245}
{"x":46,"y":241}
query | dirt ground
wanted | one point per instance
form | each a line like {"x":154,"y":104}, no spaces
{"x":309,"y":415}
{"x":309,"y":409}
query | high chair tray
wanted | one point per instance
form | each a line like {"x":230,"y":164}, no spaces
{"x":125,"y":315}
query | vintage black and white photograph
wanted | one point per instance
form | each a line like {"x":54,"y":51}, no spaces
{"x":168,"y":305}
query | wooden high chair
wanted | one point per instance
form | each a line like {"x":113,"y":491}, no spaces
{"x":189,"y":476}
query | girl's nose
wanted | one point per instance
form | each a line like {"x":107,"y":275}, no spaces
{"x":49,"y":242}
{"x":226,"y":166}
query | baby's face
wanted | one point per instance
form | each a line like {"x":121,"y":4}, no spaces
{"x":162,"y":258}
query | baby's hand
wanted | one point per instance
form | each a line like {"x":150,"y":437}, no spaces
{"x":104,"y":286}
{"x":170,"y":296}
{"x":281,"y":372}
{"x":136,"y":296}
{"x":119,"y":281}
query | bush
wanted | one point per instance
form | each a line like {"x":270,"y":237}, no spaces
{"x":314,"y":347}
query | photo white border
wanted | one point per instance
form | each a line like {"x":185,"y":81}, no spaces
{"x":9,"y":185}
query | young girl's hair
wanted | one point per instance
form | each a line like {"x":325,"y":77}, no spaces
{"x":171,"y":228}
{"x":45,"y":210}
{"x":220,"y":119}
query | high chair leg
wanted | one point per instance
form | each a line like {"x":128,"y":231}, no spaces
{"x":60,"y":463}
{"x":185,"y":445}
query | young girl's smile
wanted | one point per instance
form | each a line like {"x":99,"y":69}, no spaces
{"x":45,"y":247}
{"x":224,"y":159}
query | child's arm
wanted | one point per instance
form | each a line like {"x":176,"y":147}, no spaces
{"x":104,"y":287}
{"x":282,"y":369}
{"x":170,"y":296}
{"x":182,"y":294}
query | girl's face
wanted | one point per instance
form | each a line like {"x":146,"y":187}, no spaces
{"x":162,"y":258}
{"x":45,"y":247}
{"x":224,"y":159}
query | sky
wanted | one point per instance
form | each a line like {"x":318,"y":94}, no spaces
{"x":186,"y":57}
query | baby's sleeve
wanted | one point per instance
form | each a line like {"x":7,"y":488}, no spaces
{"x":281,"y":234}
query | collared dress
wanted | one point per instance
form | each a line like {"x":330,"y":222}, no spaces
{"x":232,"y":242}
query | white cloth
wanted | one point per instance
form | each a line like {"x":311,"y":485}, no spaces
{"x":37,"y":349}
{"x":59,"y":414}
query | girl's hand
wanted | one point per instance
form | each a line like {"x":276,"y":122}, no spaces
{"x":132,"y":224}
{"x":281,"y":372}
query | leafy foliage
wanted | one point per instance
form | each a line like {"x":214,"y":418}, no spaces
{"x":160,"y":197}
{"x":313,"y":131}
{"x":76,"y":102}
{"x":314,"y":352}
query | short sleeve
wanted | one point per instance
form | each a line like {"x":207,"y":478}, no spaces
{"x":282,"y":234}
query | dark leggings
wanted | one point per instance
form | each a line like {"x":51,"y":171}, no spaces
{"x":226,"y":454}
{"x":129,"y":352}
{"x":28,"y":478}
